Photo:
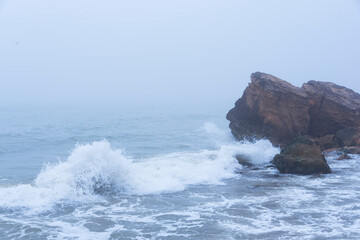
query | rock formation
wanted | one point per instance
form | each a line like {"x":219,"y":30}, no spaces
{"x":272,"y":108}
{"x":333,"y":108}
{"x":301,"y":158}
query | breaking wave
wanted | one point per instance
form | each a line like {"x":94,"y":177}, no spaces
{"x":96,"y":169}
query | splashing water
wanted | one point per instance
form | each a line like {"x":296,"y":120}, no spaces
{"x":95,"y":168}
{"x":192,"y":189}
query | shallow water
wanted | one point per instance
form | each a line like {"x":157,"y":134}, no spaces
{"x":85,"y":175}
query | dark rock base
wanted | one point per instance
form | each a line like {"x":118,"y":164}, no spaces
{"x":302,"y":157}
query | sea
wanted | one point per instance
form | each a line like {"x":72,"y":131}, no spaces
{"x":159,"y":173}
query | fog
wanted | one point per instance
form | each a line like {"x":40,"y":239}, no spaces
{"x":177,"y":53}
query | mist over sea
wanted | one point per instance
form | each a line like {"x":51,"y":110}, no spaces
{"x":121,"y":173}
{"x":113,"y":119}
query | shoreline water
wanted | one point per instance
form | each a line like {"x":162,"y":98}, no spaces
{"x":190,"y":188}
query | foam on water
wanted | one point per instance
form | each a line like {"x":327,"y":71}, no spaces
{"x":95,"y":169}
{"x":99,"y":192}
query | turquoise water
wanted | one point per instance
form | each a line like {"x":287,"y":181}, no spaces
{"x":120,"y":173}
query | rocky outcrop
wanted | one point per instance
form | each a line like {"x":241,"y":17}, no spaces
{"x":270,"y":108}
{"x":301,"y":158}
{"x":274,"y":109}
{"x":332,"y":108}
{"x":326,"y":113}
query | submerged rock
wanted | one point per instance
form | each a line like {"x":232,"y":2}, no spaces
{"x":301,"y":158}
{"x":344,"y":156}
{"x":243,"y":160}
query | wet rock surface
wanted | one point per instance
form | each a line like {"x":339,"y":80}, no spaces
{"x":343,"y":157}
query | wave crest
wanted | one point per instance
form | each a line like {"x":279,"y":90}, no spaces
{"x":95,"y":169}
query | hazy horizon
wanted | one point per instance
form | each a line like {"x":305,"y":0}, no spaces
{"x":180,"y":53}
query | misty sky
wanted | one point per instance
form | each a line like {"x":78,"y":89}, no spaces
{"x":182,"y":52}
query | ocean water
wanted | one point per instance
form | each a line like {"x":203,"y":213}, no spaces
{"x":120,"y":173}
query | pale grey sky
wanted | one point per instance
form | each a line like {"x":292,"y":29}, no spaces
{"x":186,"y":52}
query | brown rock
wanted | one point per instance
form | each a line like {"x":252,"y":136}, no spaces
{"x":348,"y":136}
{"x":270,"y":108}
{"x":274,"y":109}
{"x":333,"y":108}
{"x":327,"y":142}
{"x":325,"y":114}
{"x":300,"y":158}
{"x":351,"y":150}
{"x":343,"y":157}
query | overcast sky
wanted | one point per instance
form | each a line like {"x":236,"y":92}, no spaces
{"x":186,"y":52}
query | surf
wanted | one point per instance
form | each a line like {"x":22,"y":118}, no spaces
{"x":96,"y":169}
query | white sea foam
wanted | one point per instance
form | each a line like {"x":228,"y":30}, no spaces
{"x":95,"y":169}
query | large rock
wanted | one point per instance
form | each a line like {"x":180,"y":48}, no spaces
{"x":274,"y":109}
{"x":270,"y":108}
{"x":327,"y":114}
{"x":301,"y":158}
{"x":333,"y":108}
